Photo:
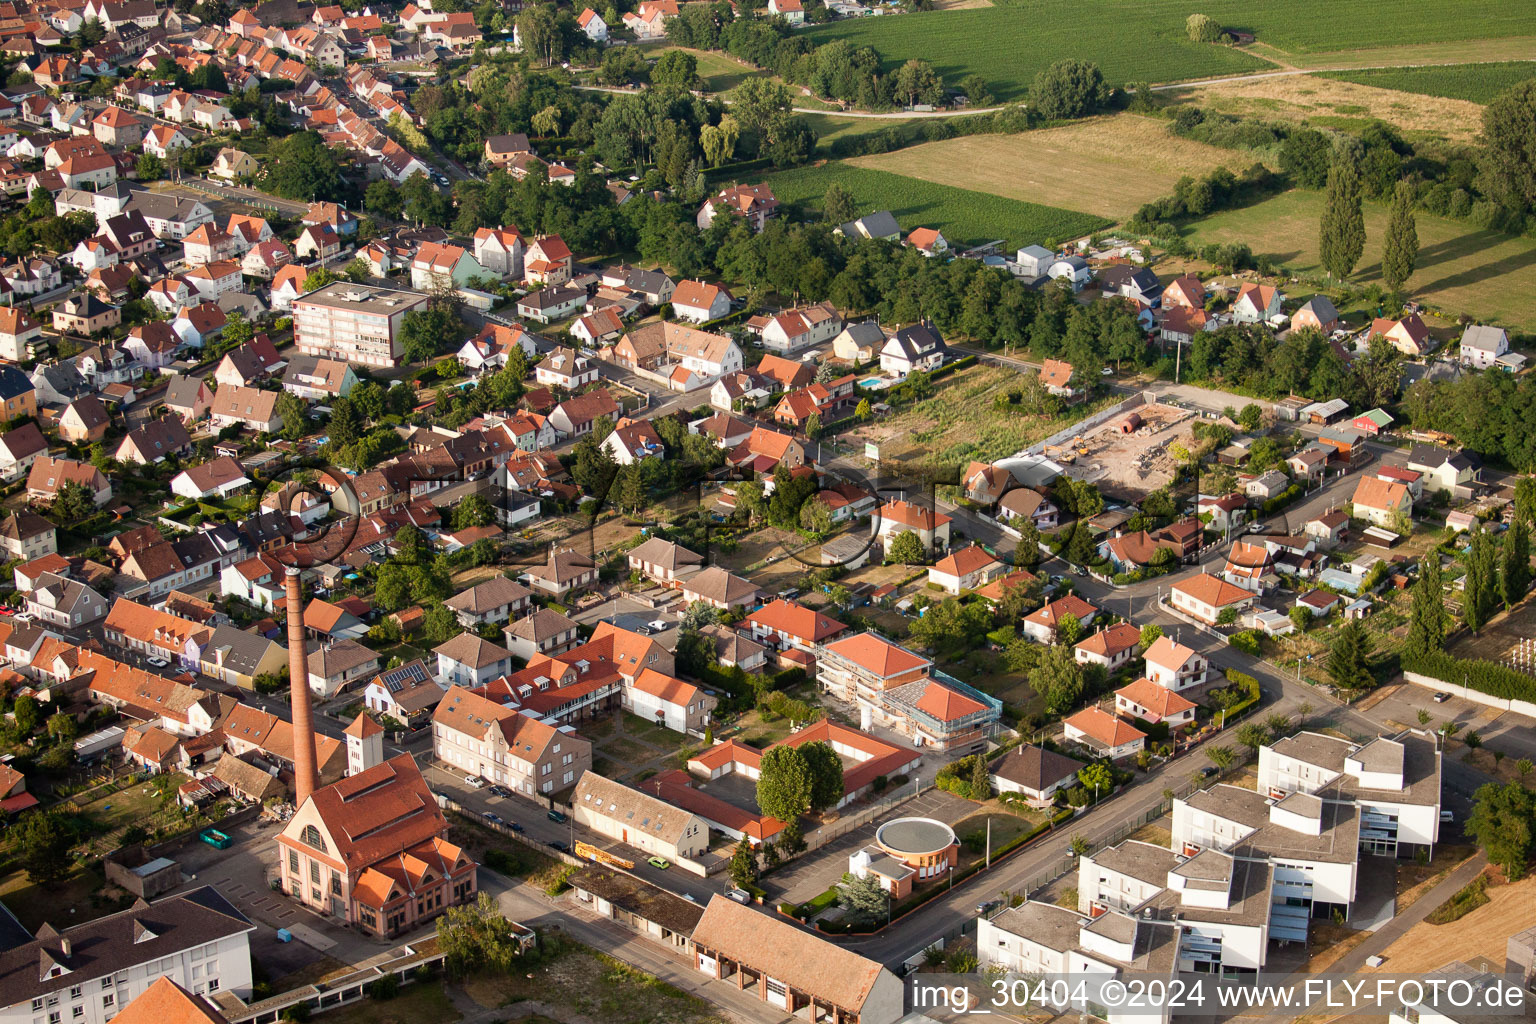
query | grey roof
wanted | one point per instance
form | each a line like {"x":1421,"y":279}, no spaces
{"x":665,"y":554}
{"x":867,"y":332}
{"x":1421,"y":776}
{"x":12,"y":934}
{"x":64,"y":379}
{"x":1380,"y":755}
{"x":1035,"y":767}
{"x":1053,"y":927}
{"x":242,"y":651}
{"x":341,"y":656}
{"x":13,"y":382}
{"x":630,"y":807}
{"x":919,"y":340}
{"x":1208,"y":869}
{"x":544,"y":623}
{"x":1434,"y":456}
{"x":496,"y":592}
{"x":1141,"y":861}
{"x":1485,"y":337}
{"x":1248,"y":901}
{"x":181,"y":391}
{"x":1315,"y":748}
{"x":1038,"y":252}
{"x":117,"y":942}
{"x":163,"y":206}
{"x":1322,"y":307}
{"x":881,"y":224}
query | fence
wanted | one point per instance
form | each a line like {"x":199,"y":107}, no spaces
{"x":825,"y":834}
{"x":1098,"y":419}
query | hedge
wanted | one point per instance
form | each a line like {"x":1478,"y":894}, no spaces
{"x":1284,"y":498}
{"x":1483,"y":676}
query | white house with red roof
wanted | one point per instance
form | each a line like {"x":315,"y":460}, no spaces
{"x":593,"y":27}
{"x":753,"y":203}
{"x":1149,"y":702}
{"x":793,"y":625}
{"x":928,"y":241}
{"x":1206,"y":597}
{"x":1408,"y":335}
{"x":1041,"y":624}
{"x":1103,"y":734}
{"x":668,"y":701}
{"x":1109,"y":648}
{"x":700,"y":302}
{"x":1224,"y":510}
{"x":965,"y":569}
{"x":901,"y":516}
{"x":1256,"y":303}
{"x":547,"y":261}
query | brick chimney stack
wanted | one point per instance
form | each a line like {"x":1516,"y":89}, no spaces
{"x":304,"y":773}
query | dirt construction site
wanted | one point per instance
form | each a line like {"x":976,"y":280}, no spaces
{"x":1128,"y":456}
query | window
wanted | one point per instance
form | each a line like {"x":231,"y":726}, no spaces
{"x":293,"y":862}
{"x":314,"y":871}
{"x":544,"y":769}
{"x":110,"y":999}
{"x":213,"y":984}
{"x":77,"y":1012}
{"x":37,"y":1004}
{"x":311,"y":837}
{"x":335,"y":884}
{"x":106,"y":982}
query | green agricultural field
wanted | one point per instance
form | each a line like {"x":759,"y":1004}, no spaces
{"x":1461,"y":268}
{"x":962,"y":215}
{"x":1477,"y":83}
{"x":1144,"y":40}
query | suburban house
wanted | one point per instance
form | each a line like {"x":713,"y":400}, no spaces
{"x":495,"y":600}
{"x":1041,"y":624}
{"x":467,"y":660}
{"x":189,"y":397}
{"x":1382,"y":502}
{"x":1186,"y":291}
{"x":1103,"y":734}
{"x":1056,"y":376}
{"x":753,"y":203}
{"x":700,"y":302}
{"x":1109,"y":648}
{"x":315,"y":379}
{"x":256,"y":410}
{"x":900,"y":516}
{"x":634,"y":442}
{"x":547,"y":261}
{"x":928,"y":241}
{"x":797,"y":329}
{"x":1151,"y":703}
{"x":1483,"y":346}
{"x":219,"y":479}
{"x":965,"y":569}
{"x":1408,"y":335}
{"x":1318,"y":312}
{"x":793,"y":625}
{"x":1443,"y":469}
{"x":1222,"y":511}
{"x":1256,"y":303}
{"x":1035,"y":772}
{"x":506,"y":746}
{"x":1209,"y":598}
{"x":1173,"y":666}
{"x":918,"y":347}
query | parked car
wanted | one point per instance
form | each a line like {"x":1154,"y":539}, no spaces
{"x":157,"y":662}
{"x":500,"y":791}
{"x":659,"y":626}
{"x":1442,"y":697}
{"x":492,"y":817}
{"x":515,"y":827}
{"x":474,"y":782}
{"x":984,"y":907}
{"x":556,"y":817}
{"x":660,"y":863}
{"x":556,"y":844}
{"x":739,"y":895}
{"x":1207,"y":771}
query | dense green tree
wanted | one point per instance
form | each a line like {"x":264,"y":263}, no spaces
{"x":346,"y":424}
{"x":1349,"y":657}
{"x":1515,"y":563}
{"x":837,"y":205}
{"x":303,"y":167}
{"x":1503,"y":823}
{"x":1509,"y":147}
{"x":1400,"y":246}
{"x":26,"y":714}
{"x":917,"y":82}
{"x":864,"y":899}
{"x":1059,"y":678}
{"x":907,"y":549}
{"x":294,"y":412}
{"x":475,"y":938}
{"x":1342,"y":235}
{"x":677,"y":68}
{"x":42,"y":842}
{"x":1480,"y":586}
{"x":1069,"y":88}
{"x":785,"y":784}
{"x":72,"y":504}
{"x":826,"y":770}
{"x":743,"y":867}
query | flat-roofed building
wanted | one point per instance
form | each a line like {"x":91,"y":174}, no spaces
{"x":353,"y":323}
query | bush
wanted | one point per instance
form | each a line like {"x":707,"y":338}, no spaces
{"x":385,"y":987}
{"x":1465,"y":900}
{"x":1284,"y":498}
{"x":1202,"y":29}
{"x":1246,"y":641}
{"x":1483,"y":676}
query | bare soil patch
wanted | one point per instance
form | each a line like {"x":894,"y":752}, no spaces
{"x":1481,"y":934}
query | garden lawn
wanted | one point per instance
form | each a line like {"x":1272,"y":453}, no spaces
{"x":963,"y":215}
{"x":595,"y":986}
{"x":1462,"y":269}
{"x":1478,"y":83}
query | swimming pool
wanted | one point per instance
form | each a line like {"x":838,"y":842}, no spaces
{"x":872,"y":382}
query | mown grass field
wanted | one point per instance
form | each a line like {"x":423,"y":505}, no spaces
{"x":1107,"y":166}
{"x":1333,"y":102}
{"x":1144,"y":40}
{"x":963,"y":215}
{"x":1461,"y":268}
{"x":1477,"y":83}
